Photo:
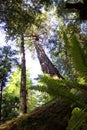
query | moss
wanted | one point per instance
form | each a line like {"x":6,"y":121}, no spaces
{"x":51,"y":116}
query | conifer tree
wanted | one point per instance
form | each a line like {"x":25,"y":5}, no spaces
{"x":6,"y":59}
{"x":17,"y":16}
{"x":46,"y":65}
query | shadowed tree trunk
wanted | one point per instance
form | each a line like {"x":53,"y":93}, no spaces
{"x":2,"y":84}
{"x":51,"y":116}
{"x":1,"y":88}
{"x":46,"y":65}
{"x":23,"y":91}
{"x":80,"y":7}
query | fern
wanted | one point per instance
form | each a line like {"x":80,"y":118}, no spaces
{"x":78,"y":120}
{"x":78,"y":52}
{"x":62,"y":89}
{"x":72,"y":92}
{"x":78,"y":57}
{"x":85,"y":51}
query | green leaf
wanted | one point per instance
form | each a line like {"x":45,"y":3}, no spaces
{"x":78,"y":120}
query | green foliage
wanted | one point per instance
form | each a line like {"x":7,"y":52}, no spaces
{"x":16,"y":16}
{"x":14,"y":83}
{"x":10,"y":101}
{"x":78,"y":54}
{"x":7,"y":57}
{"x":10,"y":106}
{"x":72,"y":92}
{"x":78,"y":57}
{"x":78,"y":120}
{"x":31,"y":101}
{"x":62,"y":89}
{"x":60,"y":54}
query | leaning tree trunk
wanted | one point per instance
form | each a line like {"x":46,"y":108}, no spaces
{"x":23,"y":91}
{"x":46,"y":65}
{"x":51,"y":116}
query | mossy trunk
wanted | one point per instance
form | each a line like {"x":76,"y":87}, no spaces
{"x":51,"y":116}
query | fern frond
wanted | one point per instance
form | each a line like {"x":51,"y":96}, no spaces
{"x":78,"y":57}
{"x":78,"y":119}
{"x":61,"y":89}
{"x":78,"y":54}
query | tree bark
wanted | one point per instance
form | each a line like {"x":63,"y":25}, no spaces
{"x":23,"y":91}
{"x":46,"y":65}
{"x":51,"y":116}
{"x":1,"y":102}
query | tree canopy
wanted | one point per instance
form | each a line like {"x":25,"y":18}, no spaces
{"x":59,"y":26}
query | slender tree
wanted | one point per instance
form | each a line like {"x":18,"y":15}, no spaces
{"x":17,"y":16}
{"x":23,"y":91}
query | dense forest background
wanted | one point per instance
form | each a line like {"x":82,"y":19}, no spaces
{"x":56,"y":32}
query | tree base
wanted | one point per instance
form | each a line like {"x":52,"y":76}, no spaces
{"x":51,"y":116}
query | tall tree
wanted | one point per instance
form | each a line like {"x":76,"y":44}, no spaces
{"x":72,"y":92}
{"x":38,"y":33}
{"x":6,"y":58}
{"x":46,"y":65}
{"x":17,"y":15}
{"x":23,"y":91}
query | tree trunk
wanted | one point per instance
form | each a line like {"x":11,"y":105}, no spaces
{"x":1,"y":102}
{"x":23,"y":91}
{"x":46,"y":65}
{"x":51,"y":116}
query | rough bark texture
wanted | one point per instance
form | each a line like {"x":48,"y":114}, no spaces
{"x":51,"y":116}
{"x":23,"y":93}
{"x":46,"y":64}
{"x":1,"y":91}
{"x":0,"y":103}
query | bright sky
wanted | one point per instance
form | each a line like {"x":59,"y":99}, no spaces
{"x":32,"y":64}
